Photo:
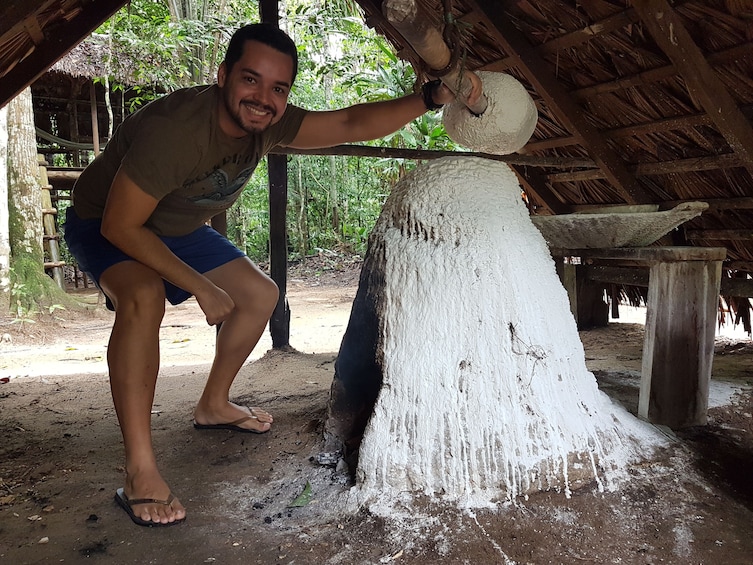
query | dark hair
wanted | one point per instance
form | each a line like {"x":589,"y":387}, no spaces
{"x":265,"y":33}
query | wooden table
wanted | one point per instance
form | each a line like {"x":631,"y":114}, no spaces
{"x":678,"y":347}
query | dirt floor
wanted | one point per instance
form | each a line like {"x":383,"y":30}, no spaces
{"x":61,"y":460}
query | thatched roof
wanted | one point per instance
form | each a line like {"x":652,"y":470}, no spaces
{"x":656,"y":97}
{"x":95,"y":57}
{"x":659,"y":96}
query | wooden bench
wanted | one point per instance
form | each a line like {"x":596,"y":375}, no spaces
{"x":678,"y":347}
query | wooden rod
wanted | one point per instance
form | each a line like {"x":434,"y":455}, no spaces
{"x":415,"y":27}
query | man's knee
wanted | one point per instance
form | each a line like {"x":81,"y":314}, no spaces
{"x":144,"y":299}
{"x":269,"y":294}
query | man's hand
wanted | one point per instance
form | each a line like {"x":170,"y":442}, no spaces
{"x":215,"y":303}
{"x":443,"y":95}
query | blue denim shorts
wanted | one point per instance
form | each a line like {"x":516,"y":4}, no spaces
{"x":203,"y":250}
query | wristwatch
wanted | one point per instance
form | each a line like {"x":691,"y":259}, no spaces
{"x":427,"y":89}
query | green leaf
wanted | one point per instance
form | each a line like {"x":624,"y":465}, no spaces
{"x":302,"y":499}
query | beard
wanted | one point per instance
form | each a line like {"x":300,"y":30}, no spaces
{"x":251,"y":128}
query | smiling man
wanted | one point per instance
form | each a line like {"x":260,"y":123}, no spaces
{"x":138,"y":228}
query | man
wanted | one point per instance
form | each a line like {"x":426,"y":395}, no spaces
{"x":138,"y":227}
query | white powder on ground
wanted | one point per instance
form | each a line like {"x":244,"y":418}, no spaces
{"x":505,"y":126}
{"x":486,"y":395}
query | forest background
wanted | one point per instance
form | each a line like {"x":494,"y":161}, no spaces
{"x":333,"y":201}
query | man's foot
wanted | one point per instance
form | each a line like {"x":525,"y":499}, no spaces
{"x":128,"y":505}
{"x":234,"y":417}
{"x":150,"y":506}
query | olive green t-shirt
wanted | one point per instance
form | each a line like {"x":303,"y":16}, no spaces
{"x":174,"y":150}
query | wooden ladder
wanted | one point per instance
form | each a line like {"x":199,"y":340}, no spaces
{"x":51,"y":236}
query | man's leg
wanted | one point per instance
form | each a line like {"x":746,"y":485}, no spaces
{"x":255,"y":296}
{"x":138,"y":294}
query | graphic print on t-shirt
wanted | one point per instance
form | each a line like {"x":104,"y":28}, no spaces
{"x":216,"y":187}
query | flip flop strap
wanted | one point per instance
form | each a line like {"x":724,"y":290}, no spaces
{"x":241,"y":420}
{"x":135,"y":501}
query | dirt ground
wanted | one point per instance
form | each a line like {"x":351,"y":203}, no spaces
{"x":61,"y":460}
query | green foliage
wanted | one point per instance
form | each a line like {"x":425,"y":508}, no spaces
{"x":333,"y":203}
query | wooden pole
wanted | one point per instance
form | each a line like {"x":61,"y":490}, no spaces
{"x":95,"y":120}
{"x":279,"y":323}
{"x":406,"y":17}
{"x":678,"y":348}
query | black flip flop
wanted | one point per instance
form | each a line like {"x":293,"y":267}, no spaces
{"x":127,"y":504}
{"x":234,"y":426}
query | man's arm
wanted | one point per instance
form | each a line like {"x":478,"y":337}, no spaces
{"x":363,"y":122}
{"x":127,"y":210}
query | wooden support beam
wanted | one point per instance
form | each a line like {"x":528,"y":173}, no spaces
{"x":537,"y":71}
{"x":584,"y":35}
{"x":654,"y":126}
{"x":678,"y":347}
{"x":420,"y":154}
{"x":639,"y":276}
{"x":659,"y":73}
{"x":648,"y":255}
{"x":709,"y":163}
{"x":719,"y":235}
{"x":277,"y":167}
{"x":667,"y":29}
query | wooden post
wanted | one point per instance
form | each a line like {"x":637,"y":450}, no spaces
{"x":566,"y":273}
{"x":95,"y":119}
{"x":279,"y":323}
{"x":678,"y":347}
{"x":593,"y":311}
{"x":586,"y":296}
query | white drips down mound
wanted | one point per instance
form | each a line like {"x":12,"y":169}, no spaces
{"x":505,"y":126}
{"x":485,"y":395}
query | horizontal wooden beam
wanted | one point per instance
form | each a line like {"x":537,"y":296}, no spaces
{"x":638,"y":276}
{"x":702,"y":82}
{"x":739,"y":266}
{"x":693,"y":164}
{"x":422,"y":154}
{"x":715,"y":204}
{"x":647,"y":255}
{"x":719,"y":235}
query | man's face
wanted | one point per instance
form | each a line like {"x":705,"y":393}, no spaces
{"x":255,"y":91}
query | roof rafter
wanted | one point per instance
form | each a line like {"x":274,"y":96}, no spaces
{"x":667,"y":29}
{"x":530,"y":63}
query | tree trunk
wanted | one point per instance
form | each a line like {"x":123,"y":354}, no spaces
{"x":29,"y":284}
{"x":4,"y":236}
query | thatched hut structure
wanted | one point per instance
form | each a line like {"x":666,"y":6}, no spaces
{"x":72,"y":92}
